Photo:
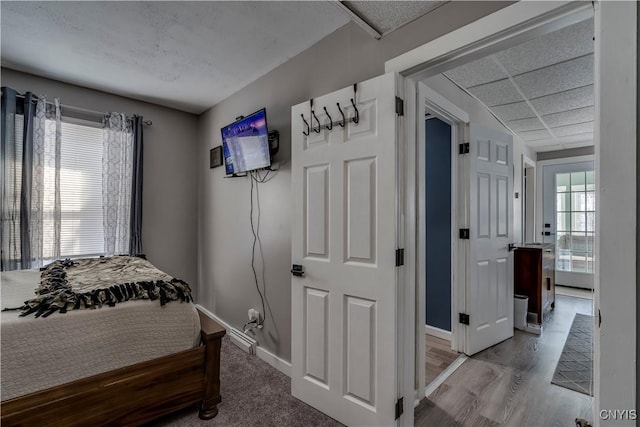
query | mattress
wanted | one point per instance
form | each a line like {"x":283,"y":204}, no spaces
{"x":39,"y":353}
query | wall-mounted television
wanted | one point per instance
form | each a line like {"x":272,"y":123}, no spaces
{"x":245,"y":144}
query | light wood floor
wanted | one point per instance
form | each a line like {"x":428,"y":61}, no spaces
{"x":574,"y":292}
{"x":438,"y":356}
{"x":510,"y":384}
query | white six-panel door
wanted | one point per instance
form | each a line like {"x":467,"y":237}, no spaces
{"x":344,"y":235}
{"x":489,"y":262}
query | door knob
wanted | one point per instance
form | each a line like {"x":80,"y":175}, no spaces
{"x":511,"y":246}
{"x":297,"y":270}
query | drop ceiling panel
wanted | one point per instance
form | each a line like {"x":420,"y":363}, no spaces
{"x":564,"y":101}
{"x":515,"y":111}
{"x":572,"y":139}
{"x":386,"y":16}
{"x":556,"y":78}
{"x":553,"y":48}
{"x":484,"y":70}
{"x":580,"y":115}
{"x":524,"y":125}
{"x":576,"y":129}
{"x":535,"y":135}
{"x":496,"y":93}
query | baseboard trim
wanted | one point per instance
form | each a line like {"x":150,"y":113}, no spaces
{"x":275,"y":361}
{"x":437,"y":332}
{"x":433,"y":385}
{"x":265,"y":355}
{"x":214,"y":317}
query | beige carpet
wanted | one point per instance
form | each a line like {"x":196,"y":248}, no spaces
{"x":253,"y":394}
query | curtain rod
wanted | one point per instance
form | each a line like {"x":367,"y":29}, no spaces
{"x":86,"y":110}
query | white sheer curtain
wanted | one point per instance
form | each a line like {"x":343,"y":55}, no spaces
{"x":46,"y":212}
{"x":116,"y":182}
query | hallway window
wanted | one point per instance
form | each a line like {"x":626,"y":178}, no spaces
{"x":575,"y":211}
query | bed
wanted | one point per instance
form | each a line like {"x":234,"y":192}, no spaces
{"x":126,"y":363}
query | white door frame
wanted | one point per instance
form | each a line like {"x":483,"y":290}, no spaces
{"x":432,"y":102}
{"x":615,"y":120}
{"x":528,"y":163}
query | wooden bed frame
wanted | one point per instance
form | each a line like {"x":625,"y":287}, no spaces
{"x":132,"y":395}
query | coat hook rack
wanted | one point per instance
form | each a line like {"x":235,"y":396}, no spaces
{"x":313,"y":113}
{"x":344,"y":120}
{"x":330,"y":125}
{"x":307,"y":124}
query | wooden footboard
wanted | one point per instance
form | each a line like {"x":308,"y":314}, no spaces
{"x":132,"y":395}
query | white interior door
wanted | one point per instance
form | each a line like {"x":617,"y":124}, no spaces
{"x":344,"y":314}
{"x":489,"y":273}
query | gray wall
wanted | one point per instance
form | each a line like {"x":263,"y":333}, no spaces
{"x":344,"y":57}
{"x":169,"y":220}
{"x":438,"y":223}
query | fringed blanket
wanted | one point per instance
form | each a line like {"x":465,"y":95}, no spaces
{"x":93,"y":282}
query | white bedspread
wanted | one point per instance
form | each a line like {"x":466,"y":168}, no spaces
{"x":38,"y":353}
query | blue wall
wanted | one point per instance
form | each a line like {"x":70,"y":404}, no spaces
{"x":438,"y":206}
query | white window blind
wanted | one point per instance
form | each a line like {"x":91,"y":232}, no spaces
{"x":81,"y":228}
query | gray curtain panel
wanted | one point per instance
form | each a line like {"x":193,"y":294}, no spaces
{"x":22,"y":164}
{"x":135,"y":243}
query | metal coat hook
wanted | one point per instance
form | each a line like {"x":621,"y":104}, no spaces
{"x":307,"y":124}
{"x":344,"y":120}
{"x":313,"y":113}
{"x":355,"y":118}
{"x":330,"y":125}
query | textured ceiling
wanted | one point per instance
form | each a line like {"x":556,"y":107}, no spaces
{"x":542,"y":89}
{"x":184,"y":55}
{"x":387,"y":16}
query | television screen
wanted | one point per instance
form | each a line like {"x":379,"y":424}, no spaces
{"x":245,"y":144}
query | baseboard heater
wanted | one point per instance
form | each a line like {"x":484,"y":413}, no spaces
{"x":242,"y":340}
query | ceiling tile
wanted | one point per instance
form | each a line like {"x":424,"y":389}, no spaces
{"x":496,"y":93}
{"x":515,"y":111}
{"x":535,"y":135}
{"x":557,"y":78}
{"x":387,"y":16}
{"x":576,"y":129}
{"x":581,"y":137}
{"x":478,"y":72}
{"x":564,"y":118}
{"x":526,"y":125}
{"x":567,"y":43}
{"x":569,"y":100}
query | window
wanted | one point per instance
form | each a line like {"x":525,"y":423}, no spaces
{"x":575,"y":221}
{"x":81,"y":228}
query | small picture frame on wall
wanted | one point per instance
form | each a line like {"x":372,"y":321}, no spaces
{"x":215,"y":157}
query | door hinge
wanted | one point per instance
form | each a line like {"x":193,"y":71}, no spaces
{"x":399,"y":257}
{"x":464,"y":148}
{"x":399,"y":407}
{"x":463,"y":318}
{"x":599,"y":318}
{"x":464,"y":233}
{"x":399,"y":106}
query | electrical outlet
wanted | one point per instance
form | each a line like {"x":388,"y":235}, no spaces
{"x":254,"y":315}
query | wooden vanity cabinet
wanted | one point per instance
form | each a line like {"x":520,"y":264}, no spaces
{"x":534,"y":276}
